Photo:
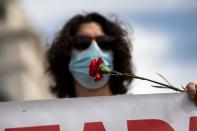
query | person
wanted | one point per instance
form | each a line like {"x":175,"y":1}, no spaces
{"x":83,"y":38}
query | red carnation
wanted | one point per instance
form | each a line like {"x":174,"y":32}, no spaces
{"x":97,"y":69}
{"x":94,"y":68}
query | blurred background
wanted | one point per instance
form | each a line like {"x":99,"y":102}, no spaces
{"x":163,"y":32}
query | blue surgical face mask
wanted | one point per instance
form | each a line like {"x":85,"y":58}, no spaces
{"x":79,"y":65}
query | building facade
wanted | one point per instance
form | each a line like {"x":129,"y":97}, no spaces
{"x":22,"y":62}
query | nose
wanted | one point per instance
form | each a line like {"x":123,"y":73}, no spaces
{"x":93,"y":41}
{"x":93,"y":38}
{"x":94,"y":44}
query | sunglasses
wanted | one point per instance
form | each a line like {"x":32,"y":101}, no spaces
{"x":83,"y":42}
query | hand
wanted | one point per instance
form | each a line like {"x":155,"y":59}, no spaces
{"x":191,"y":88}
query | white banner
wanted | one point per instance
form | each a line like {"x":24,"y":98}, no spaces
{"x":162,"y":112}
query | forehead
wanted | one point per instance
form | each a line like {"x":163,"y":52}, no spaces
{"x":91,"y":29}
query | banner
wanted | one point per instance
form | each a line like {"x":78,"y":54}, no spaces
{"x":161,"y":112}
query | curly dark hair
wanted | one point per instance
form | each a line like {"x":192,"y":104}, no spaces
{"x":58,"y":54}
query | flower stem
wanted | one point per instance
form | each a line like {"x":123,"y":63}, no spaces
{"x":142,"y":78}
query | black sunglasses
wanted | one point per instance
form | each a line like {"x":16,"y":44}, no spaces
{"x":83,"y":42}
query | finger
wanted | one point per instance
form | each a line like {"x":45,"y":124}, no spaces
{"x":195,"y":100}
{"x":191,"y":90}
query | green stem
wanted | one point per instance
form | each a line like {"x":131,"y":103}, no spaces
{"x":142,"y":78}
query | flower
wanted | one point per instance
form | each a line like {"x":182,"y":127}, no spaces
{"x":94,"y":68}
{"x":97,"y":69}
{"x":104,"y":69}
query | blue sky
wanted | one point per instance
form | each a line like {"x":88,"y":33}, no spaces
{"x":164,"y":33}
{"x":181,"y":28}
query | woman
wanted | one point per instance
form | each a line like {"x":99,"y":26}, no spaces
{"x":83,"y":38}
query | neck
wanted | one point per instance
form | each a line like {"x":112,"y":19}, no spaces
{"x":84,"y":92}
